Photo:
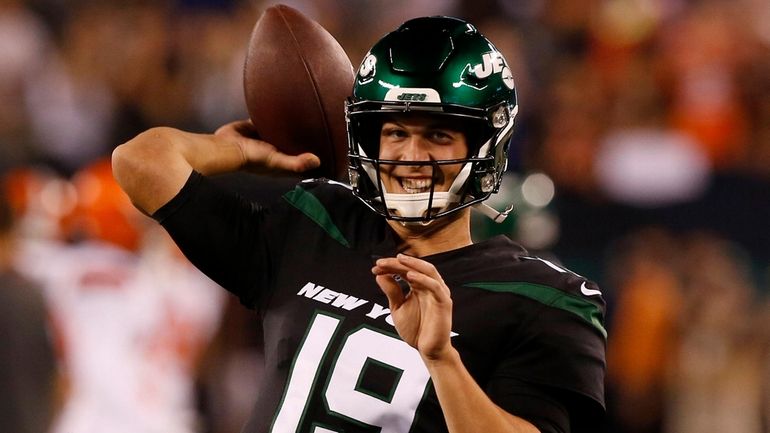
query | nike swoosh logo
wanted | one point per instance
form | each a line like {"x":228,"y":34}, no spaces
{"x":588,"y":292}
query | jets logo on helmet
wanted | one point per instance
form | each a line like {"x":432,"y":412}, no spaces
{"x":367,"y":66}
{"x":413,"y":94}
{"x":444,"y":67}
{"x":494,"y":63}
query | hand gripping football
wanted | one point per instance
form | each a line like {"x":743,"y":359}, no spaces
{"x":296,"y":77}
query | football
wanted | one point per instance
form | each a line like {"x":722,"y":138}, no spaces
{"x":296,"y":78}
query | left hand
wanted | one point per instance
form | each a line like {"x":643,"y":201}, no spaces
{"x":423,"y":316}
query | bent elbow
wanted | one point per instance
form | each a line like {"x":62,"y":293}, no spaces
{"x":141,"y":168}
{"x":135,"y":156}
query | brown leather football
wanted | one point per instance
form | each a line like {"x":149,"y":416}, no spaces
{"x":296,"y":77}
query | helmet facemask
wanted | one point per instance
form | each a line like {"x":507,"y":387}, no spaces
{"x":478,"y":173}
{"x":417,"y":206}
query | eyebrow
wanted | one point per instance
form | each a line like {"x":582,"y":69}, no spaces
{"x":433,"y":125}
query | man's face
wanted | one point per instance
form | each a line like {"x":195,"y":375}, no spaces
{"x":420,"y":138}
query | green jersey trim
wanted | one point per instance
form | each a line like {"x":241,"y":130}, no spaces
{"x":309,"y":205}
{"x":550,"y":296}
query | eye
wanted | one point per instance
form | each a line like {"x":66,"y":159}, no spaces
{"x":441,"y":136}
{"x":393,"y":132}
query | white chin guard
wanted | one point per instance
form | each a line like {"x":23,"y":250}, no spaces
{"x":416,"y":205}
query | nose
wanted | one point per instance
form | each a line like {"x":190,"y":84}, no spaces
{"x":415,"y":149}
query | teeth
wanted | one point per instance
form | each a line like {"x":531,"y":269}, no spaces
{"x":415,"y":186}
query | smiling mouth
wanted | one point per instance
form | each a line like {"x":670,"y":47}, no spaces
{"x":415,"y":185}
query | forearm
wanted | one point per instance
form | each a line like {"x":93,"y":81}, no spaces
{"x":467,"y":409}
{"x":154,"y":166}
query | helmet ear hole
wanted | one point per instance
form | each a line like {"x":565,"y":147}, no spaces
{"x":476,"y":135}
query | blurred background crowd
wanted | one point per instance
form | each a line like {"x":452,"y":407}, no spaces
{"x":641,"y":159}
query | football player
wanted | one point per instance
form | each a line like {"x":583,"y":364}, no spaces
{"x":131,"y":316}
{"x":380,"y":313}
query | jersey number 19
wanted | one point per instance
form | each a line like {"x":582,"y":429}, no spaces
{"x":343,"y":390}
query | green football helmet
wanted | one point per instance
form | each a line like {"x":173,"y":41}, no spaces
{"x":445,"y":67}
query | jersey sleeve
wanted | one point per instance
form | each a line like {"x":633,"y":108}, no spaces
{"x":560,"y":362}
{"x":226,"y":236}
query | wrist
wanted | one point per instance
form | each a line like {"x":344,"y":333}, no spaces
{"x":449,"y":357}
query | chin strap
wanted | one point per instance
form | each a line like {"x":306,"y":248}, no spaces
{"x":492,"y":213}
{"x":416,"y":205}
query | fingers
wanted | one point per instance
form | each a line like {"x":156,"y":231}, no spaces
{"x":392,"y":290}
{"x":420,"y":275}
{"x":402,"y":264}
{"x":280,"y":161}
{"x":261,"y":155}
{"x":390,"y":266}
{"x":419,"y":265}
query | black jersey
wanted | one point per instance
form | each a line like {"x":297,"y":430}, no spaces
{"x":528,"y":331}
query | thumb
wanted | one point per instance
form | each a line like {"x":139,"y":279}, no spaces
{"x":309,"y":160}
{"x":392,"y":290}
{"x":297,"y":163}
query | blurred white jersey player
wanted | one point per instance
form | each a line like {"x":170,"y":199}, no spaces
{"x":132,"y":314}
